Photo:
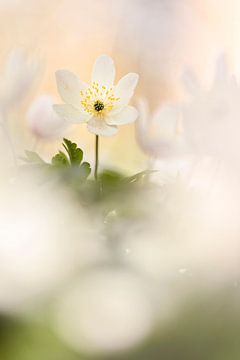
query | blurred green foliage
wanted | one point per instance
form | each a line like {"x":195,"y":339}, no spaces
{"x":30,"y":340}
{"x":207,"y":328}
{"x":67,"y":169}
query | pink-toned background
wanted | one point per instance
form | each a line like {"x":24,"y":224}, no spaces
{"x":156,"y":38}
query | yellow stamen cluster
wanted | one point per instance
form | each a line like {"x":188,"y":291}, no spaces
{"x":98,"y":100}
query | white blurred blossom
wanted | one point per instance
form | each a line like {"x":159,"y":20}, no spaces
{"x":161,"y":138}
{"x":160,"y":134}
{"x":44,"y":239}
{"x":43,"y":120}
{"x":107,"y":310}
{"x":211,"y":115}
{"x":17,"y":78}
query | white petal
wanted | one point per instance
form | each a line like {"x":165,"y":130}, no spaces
{"x":166,"y":125}
{"x":69,"y":87}
{"x":43,"y":120}
{"x":124,"y":90}
{"x":221,"y":72}
{"x":190,"y":82}
{"x":19,"y":74}
{"x":143,"y":124}
{"x":166,"y":122}
{"x":100,"y":127}
{"x":71,"y":114}
{"x":144,"y":114}
{"x":103,"y":70}
{"x":128,"y":115}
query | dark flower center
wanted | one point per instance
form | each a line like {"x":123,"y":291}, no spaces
{"x":98,"y":105}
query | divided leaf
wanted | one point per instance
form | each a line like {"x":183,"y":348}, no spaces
{"x":69,"y":163}
{"x":72,"y":160}
{"x":75,"y":154}
{"x":85,"y":170}
{"x":33,"y":158}
{"x":60,"y":159}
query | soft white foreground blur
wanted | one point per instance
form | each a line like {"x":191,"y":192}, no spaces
{"x":108,"y":309}
{"x":44,"y":238}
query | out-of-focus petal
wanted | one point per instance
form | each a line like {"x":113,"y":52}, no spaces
{"x":160,"y":135}
{"x":190,"y":82}
{"x":19,"y":74}
{"x":43,"y":120}
{"x":221,"y":71}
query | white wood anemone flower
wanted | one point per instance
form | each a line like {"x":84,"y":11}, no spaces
{"x":160,"y":136}
{"x":101,"y":105}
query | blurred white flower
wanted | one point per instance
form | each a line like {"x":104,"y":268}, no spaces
{"x":160,"y":134}
{"x":211,"y":116}
{"x":17,"y":78}
{"x":101,"y":105}
{"x":43,"y":120}
{"x":107,"y":310}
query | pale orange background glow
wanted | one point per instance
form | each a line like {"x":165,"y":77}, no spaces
{"x":155,"y":38}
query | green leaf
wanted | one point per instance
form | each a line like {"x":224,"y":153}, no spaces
{"x":32,"y":157}
{"x":85,"y":170}
{"x":110,"y":177}
{"x":75,"y":154}
{"x":60,"y":160}
{"x":138,"y":177}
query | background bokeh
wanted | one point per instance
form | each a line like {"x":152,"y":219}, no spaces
{"x":156,"y":38}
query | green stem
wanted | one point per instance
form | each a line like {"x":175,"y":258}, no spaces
{"x":96,"y":158}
